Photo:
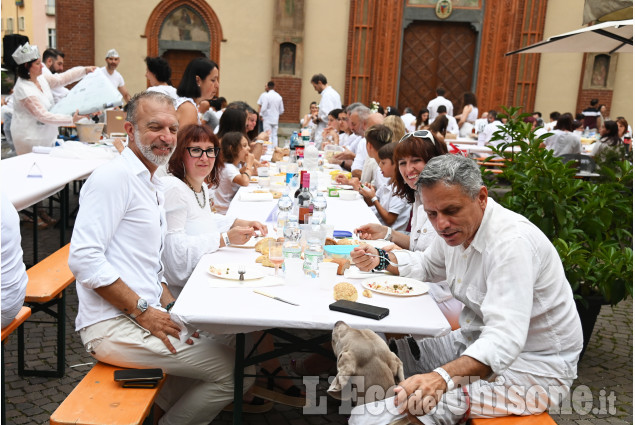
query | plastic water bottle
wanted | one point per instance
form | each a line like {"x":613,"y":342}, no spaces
{"x":291,"y":247}
{"x":311,"y":155}
{"x":313,"y":256}
{"x":319,"y":208}
{"x":285,"y":204}
{"x":294,"y":140}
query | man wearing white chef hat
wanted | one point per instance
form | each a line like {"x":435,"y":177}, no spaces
{"x":110,"y":70}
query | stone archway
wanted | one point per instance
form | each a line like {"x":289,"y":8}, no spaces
{"x":176,"y":52}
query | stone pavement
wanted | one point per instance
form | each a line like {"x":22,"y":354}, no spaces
{"x":605,"y":372}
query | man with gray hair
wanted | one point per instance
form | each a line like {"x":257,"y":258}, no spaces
{"x":517,"y":350}
{"x":115,"y":254}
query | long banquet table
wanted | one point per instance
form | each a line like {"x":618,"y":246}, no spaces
{"x":238,"y":310}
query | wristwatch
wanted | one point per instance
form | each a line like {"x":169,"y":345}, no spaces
{"x":388,"y":236}
{"x":372,"y":201}
{"x":142,"y":306}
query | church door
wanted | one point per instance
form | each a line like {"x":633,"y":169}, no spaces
{"x":178,"y":60}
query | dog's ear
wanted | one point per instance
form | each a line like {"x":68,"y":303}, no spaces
{"x":345,"y":370}
{"x":396,"y":367}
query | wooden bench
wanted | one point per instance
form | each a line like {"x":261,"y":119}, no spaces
{"x":541,"y":419}
{"x":22,"y":315}
{"x":99,"y":400}
{"x":47,"y":281}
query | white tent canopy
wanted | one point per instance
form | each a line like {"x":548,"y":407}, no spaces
{"x":607,"y":37}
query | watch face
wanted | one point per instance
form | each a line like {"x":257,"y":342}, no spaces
{"x":142,"y":304}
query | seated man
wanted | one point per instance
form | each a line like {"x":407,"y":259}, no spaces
{"x":520,"y":337}
{"x":115,"y":255}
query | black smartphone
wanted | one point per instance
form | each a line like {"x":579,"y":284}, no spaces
{"x":138,"y":375}
{"x":140,"y":384}
{"x":360,"y":309}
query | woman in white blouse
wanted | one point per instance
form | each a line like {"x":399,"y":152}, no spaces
{"x":410,"y":156}
{"x":32,"y":123}
{"x":193,"y":230}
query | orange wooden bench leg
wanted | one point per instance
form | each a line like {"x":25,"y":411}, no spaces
{"x":541,"y":419}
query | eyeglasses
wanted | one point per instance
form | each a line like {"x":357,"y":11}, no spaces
{"x":421,"y":134}
{"x":198,"y":152}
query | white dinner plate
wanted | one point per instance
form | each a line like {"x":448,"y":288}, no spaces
{"x":415,"y":287}
{"x":376,"y":243}
{"x":355,"y":273}
{"x":328,"y":165}
{"x":230,"y":271}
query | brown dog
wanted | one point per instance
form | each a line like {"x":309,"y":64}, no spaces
{"x":362,"y":353}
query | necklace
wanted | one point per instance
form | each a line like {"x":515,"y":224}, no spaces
{"x":200,"y":203}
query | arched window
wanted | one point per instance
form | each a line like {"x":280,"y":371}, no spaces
{"x":184,"y":29}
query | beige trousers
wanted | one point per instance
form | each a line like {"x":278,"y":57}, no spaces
{"x":200,"y":378}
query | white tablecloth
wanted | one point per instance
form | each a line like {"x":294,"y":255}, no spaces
{"x":56,"y":172}
{"x":234,"y":310}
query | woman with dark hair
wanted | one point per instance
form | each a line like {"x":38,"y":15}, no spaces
{"x":193,"y":230}
{"x":200,"y":81}
{"x":609,"y":147}
{"x":250,"y":127}
{"x":158,"y":73}
{"x":564,"y":140}
{"x":423,"y":119}
{"x":238,"y":169}
{"x":468,"y":116}
{"x":32,"y":123}
{"x":410,"y":156}
{"x":439,"y":127}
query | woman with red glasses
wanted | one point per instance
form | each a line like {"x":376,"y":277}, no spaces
{"x":410,"y":156}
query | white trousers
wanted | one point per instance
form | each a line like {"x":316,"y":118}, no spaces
{"x":511,"y":393}
{"x":200,"y":378}
{"x":273,"y":128}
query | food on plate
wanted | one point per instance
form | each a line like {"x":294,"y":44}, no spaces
{"x":253,"y":179}
{"x":344,"y":291}
{"x":262,"y":246}
{"x":348,"y":241}
{"x":260,"y":191}
{"x":367,"y":293}
{"x":391,"y":288}
{"x":265,"y":261}
{"x":218,"y":271}
{"x":342,"y":264}
{"x":330,"y":241}
{"x":276,"y":194}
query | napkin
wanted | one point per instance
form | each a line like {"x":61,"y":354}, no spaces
{"x":42,"y":149}
{"x":256,"y":197}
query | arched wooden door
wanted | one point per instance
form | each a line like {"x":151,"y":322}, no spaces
{"x":178,"y":60}
{"x":436,"y":54}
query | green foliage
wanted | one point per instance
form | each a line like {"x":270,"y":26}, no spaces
{"x":589,"y":222}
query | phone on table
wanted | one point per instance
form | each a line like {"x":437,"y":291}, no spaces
{"x":138,"y":378}
{"x":360,"y":309}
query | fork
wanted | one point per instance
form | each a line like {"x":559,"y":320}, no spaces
{"x":241,"y":271}
{"x":392,"y":263}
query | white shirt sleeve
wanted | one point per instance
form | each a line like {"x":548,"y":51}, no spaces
{"x":183,"y":251}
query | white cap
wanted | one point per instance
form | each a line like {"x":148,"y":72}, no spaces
{"x":112,"y":53}
{"x":25,"y":53}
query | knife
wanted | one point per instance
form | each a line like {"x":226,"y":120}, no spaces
{"x":275,"y":298}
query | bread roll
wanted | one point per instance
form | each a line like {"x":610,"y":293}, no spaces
{"x":265,"y":261}
{"x":342,"y":264}
{"x":344,"y":291}
{"x":330,"y":241}
{"x":262,"y":246}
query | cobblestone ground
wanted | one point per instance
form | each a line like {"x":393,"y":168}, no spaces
{"x":605,"y":373}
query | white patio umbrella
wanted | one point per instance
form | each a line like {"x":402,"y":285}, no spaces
{"x":607,"y":37}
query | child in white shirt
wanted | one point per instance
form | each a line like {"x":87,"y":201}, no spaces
{"x":239,"y":165}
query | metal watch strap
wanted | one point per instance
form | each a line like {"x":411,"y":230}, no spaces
{"x":446,"y":377}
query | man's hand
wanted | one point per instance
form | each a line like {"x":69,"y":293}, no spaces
{"x":344,"y":156}
{"x":361,"y":260}
{"x":418,"y":394}
{"x":160,"y":325}
{"x":371,"y":231}
{"x":258,"y":226}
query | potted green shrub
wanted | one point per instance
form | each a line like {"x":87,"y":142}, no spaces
{"x":589,"y":222}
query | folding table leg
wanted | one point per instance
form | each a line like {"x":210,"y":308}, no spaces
{"x":239,"y":372}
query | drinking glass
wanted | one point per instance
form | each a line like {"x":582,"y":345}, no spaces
{"x":275,"y":254}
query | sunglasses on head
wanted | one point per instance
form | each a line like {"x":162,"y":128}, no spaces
{"x":421,"y":134}
{"x":196,"y":152}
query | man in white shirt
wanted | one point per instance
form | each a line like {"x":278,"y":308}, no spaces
{"x":517,"y":349}
{"x":409,"y":119}
{"x":493,"y":123}
{"x":330,"y":100}
{"x":115,"y":255}
{"x":270,"y":107}
{"x":453,"y":126}
{"x":434,"y":104}
{"x":53,"y":61}
{"x":110,"y":70}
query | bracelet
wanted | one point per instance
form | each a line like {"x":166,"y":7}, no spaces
{"x":246,"y":173}
{"x":388,"y":236}
{"x":383,"y":260}
{"x":446,"y":377}
{"x":225,"y":238}
{"x":372,"y":201}
{"x":169,"y":306}
{"x":343,"y":163}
